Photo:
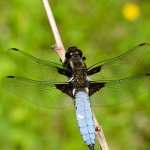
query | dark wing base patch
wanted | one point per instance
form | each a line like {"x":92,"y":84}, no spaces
{"x":65,"y":88}
{"x":94,"y":87}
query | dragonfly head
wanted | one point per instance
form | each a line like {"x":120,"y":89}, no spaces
{"x":73,"y":52}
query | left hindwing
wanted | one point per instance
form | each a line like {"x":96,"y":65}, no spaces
{"x":42,"y":93}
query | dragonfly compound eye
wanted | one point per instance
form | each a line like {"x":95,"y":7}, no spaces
{"x":73,"y":51}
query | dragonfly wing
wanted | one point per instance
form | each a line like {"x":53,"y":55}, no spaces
{"x":114,"y":92}
{"x":120,"y":65}
{"x":38,"y":68}
{"x":42,"y":93}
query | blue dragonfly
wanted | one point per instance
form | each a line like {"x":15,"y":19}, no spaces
{"x":73,"y":82}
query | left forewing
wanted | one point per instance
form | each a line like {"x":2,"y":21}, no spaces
{"x":41,"y":69}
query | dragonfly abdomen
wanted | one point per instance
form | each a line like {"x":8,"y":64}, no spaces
{"x":85,"y":118}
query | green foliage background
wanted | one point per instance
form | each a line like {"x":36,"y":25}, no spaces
{"x":101,"y":32}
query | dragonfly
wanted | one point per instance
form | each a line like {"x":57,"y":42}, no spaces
{"x":60,"y":86}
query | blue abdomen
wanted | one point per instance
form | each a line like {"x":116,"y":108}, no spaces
{"x":84,"y":118}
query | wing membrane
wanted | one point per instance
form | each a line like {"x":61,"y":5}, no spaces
{"x":115,"y":92}
{"x":120,"y":65}
{"x":38,"y":92}
{"x":38,"y":68}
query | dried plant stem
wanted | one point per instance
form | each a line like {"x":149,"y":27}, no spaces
{"x":61,"y":52}
{"x":100,"y":135}
{"x":59,"y":45}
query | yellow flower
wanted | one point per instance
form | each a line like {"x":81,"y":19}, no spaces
{"x":131,"y":11}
